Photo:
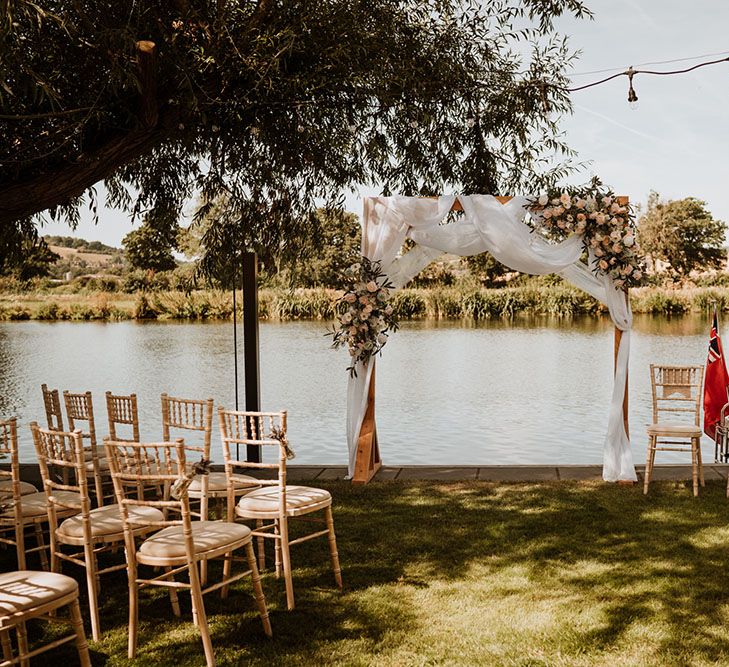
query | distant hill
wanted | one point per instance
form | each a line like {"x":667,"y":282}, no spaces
{"x":82,"y":245}
{"x":81,"y":257}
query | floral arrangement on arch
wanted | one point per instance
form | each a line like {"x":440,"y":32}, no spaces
{"x":365,"y":317}
{"x":607,"y":227}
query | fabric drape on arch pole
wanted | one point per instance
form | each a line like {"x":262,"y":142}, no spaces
{"x":487,"y":226}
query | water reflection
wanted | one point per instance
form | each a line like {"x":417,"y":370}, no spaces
{"x":529,"y":390}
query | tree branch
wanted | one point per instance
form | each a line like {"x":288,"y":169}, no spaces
{"x":147,"y":65}
{"x":54,"y":188}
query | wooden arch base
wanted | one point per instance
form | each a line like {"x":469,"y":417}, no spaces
{"x":368,"y":460}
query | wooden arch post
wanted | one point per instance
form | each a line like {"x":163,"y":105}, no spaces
{"x":368,"y":460}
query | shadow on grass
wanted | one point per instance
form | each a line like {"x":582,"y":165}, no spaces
{"x":655,"y":561}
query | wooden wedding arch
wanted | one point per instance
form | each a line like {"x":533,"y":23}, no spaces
{"x":368,"y":460}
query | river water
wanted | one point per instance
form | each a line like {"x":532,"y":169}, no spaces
{"x":523,"y":391}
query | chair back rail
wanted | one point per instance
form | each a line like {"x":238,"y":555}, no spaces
{"x":122,"y":410}
{"x":63,"y":468}
{"x":188,"y":414}
{"x":159,"y":463}
{"x":9,"y":449}
{"x":52,"y":405}
{"x":676,"y":390}
{"x":253,"y":428}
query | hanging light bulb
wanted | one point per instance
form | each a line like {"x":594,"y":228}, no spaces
{"x":632,"y":97}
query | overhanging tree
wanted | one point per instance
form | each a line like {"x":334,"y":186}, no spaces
{"x":683,"y":234}
{"x":276,"y":105}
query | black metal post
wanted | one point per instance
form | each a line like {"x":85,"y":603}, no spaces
{"x":250,"y":342}
{"x":235,"y":349}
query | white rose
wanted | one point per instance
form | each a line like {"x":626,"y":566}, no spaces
{"x":543,"y":200}
{"x":628,"y":240}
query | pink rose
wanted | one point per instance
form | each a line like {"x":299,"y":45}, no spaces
{"x":372,"y":286}
{"x":603,"y":265}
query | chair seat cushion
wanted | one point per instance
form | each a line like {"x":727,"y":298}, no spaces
{"x":678,"y":430}
{"x":107,"y":520}
{"x":218,"y":481}
{"x":266,"y":500}
{"x":103,"y":465}
{"x":6,"y":488}
{"x":24,"y":590}
{"x":169,"y":543}
{"x":36,"y":504}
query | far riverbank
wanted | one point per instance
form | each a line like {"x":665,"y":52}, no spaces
{"x":438,"y":303}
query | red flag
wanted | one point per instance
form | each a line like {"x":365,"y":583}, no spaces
{"x":716,"y":382}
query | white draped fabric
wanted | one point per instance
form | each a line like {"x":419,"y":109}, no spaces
{"x":488,"y":226}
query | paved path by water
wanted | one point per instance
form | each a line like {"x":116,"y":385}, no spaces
{"x":501,"y":473}
{"x":546,"y":473}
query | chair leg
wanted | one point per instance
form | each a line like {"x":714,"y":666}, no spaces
{"x":174,"y":599}
{"x":334,"y":555}
{"x":78,"y":627}
{"x":133,"y":609}
{"x":203,"y":571}
{"x":42,"y":544}
{"x":20,"y":544}
{"x":22,"y":644}
{"x":91,"y":585}
{"x":227,"y":566}
{"x":99,"y":489}
{"x":7,"y":646}
{"x":277,"y":550}
{"x":286,"y":558}
{"x":199,"y":612}
{"x":694,"y":468}
{"x":258,"y":590}
{"x":701,"y":463}
{"x":650,"y":456}
{"x":261,"y":548}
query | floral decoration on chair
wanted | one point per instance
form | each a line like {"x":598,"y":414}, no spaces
{"x":365,"y":317}
{"x":607,"y":227}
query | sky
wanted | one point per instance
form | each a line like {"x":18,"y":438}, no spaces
{"x":675,"y":142}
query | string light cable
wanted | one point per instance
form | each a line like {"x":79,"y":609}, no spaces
{"x":631,"y":72}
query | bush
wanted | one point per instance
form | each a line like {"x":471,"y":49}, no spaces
{"x":409,"y":304}
{"x":658,"y":301}
{"x":143,"y":309}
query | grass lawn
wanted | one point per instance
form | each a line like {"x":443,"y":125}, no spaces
{"x":471,"y":573}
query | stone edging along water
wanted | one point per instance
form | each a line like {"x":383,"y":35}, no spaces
{"x":456,"y":303}
{"x":29,"y":472}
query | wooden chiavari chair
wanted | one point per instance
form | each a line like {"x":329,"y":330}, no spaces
{"x":95,"y":531}
{"x":181,"y":544}
{"x":275,"y":501}
{"x":80,"y":408}
{"x":188,"y":415}
{"x":26,"y":595}
{"x":676,"y":391}
{"x":20,"y":511}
